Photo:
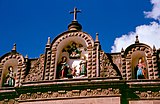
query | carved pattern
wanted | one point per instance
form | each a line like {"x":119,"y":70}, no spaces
{"x":47,"y":66}
{"x":123,"y":67}
{"x":128,"y":69}
{"x":150,"y":68}
{"x":106,"y":67}
{"x":52,"y":67}
{"x":9,"y":101}
{"x":117,"y":60}
{"x":36,"y":71}
{"x":68,"y":94}
{"x":89,"y":64}
{"x":86,"y":37}
{"x":155,"y":66}
{"x":94,"y":62}
{"x":148,"y":94}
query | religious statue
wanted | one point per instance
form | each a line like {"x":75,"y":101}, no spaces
{"x":141,"y":69}
{"x":64,"y":70}
{"x":74,"y":52}
{"x":74,"y":71}
{"x":10,"y":77}
{"x":83,"y":67}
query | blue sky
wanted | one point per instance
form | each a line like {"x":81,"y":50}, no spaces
{"x":29,"y":23}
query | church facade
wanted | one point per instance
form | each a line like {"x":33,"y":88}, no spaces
{"x":75,"y":70}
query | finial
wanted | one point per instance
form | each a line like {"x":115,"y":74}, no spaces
{"x":49,"y":41}
{"x":74,"y":25}
{"x":137,"y":40}
{"x":14,"y":48}
{"x":122,"y":50}
{"x":75,"y":11}
{"x":154,"y":48}
{"x":97,"y":40}
{"x":26,"y":58}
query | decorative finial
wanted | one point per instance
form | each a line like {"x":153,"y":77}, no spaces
{"x":137,"y":40}
{"x":74,"y":25}
{"x":154,"y":48}
{"x":14,"y":48}
{"x":75,"y":11}
{"x":97,"y":40}
{"x":122,"y":50}
{"x":26,"y":58}
{"x":49,"y":41}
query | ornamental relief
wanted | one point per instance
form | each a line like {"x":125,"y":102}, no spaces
{"x":144,"y":48}
{"x":117,"y":60}
{"x":9,"y":101}
{"x":88,"y":39}
{"x":148,"y":94}
{"x":106,"y":67}
{"x":68,"y":94}
{"x":36,"y":70}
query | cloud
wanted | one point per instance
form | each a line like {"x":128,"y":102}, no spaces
{"x":123,"y":42}
{"x":148,"y":34}
{"x":155,"y":13}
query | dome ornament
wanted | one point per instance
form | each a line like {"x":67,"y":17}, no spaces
{"x":75,"y":11}
{"x":137,"y":40}
{"x":14,"y":48}
{"x":74,"y":25}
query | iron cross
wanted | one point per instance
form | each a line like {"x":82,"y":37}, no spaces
{"x":75,"y":13}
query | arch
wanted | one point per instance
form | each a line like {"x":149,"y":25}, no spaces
{"x":87,"y":38}
{"x":61,"y":41}
{"x":64,"y":39}
{"x":138,"y":47}
{"x":11,"y":59}
{"x":129,"y":55}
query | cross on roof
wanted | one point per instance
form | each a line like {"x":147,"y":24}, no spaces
{"x":75,"y":13}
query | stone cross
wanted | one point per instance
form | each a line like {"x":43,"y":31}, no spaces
{"x":75,"y":13}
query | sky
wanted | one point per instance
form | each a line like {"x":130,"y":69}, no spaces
{"x":29,"y":23}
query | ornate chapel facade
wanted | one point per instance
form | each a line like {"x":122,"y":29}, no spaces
{"x":75,"y":70}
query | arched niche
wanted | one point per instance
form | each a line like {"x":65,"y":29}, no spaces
{"x":65,"y":39}
{"x":135,"y":58}
{"x":130,"y":57}
{"x":68,"y":42}
{"x":9,"y":63}
{"x":72,"y":34}
{"x":14,"y":60}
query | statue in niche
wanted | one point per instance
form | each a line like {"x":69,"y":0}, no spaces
{"x":64,"y":70}
{"x":141,"y":69}
{"x":10,"y":77}
{"x":74,"y":51}
{"x":83,"y":67}
{"x":74,"y":71}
